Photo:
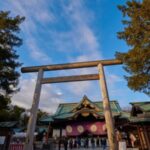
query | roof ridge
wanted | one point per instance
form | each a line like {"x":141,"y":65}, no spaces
{"x":139,"y":102}
{"x":90,"y":100}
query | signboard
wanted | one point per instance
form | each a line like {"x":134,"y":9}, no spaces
{"x":95,"y":128}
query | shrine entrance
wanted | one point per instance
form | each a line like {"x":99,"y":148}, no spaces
{"x":41,"y":80}
{"x":86,"y":128}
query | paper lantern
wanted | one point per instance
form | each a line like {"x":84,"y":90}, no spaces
{"x":69,"y":129}
{"x":85,"y":114}
{"x":80,"y":129}
{"x":104,"y":127}
{"x":93,"y":128}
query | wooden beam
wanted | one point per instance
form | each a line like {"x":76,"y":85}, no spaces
{"x":70,"y":78}
{"x":71,"y":65}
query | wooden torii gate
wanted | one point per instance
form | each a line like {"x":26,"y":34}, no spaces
{"x":41,"y":80}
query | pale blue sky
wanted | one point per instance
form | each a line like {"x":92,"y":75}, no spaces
{"x":61,"y":31}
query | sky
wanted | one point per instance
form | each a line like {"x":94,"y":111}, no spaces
{"x":65,"y":31}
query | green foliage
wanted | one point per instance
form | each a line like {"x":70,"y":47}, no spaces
{"x":4,"y":115}
{"x":11,"y":114}
{"x":136,"y":33}
{"x":16,"y":113}
{"x":9,"y":28}
{"x":9,"y":40}
{"x":41,"y":114}
{"x":4,"y":101}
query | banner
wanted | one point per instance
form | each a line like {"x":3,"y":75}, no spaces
{"x":95,"y":128}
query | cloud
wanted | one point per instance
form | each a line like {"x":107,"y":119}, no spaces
{"x":37,"y":14}
{"x":79,"y":39}
{"x":79,"y":17}
{"x":78,"y":42}
{"x":36,"y":53}
{"x":112,"y":79}
{"x":33,"y":10}
{"x":79,"y":89}
{"x":49,"y":100}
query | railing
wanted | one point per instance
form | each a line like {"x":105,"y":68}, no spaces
{"x":16,"y":147}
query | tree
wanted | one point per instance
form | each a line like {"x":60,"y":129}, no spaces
{"x":9,"y":28}
{"x":41,"y":114}
{"x":16,"y":112}
{"x":136,"y":33}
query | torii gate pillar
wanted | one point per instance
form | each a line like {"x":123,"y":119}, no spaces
{"x":33,"y":116}
{"x":107,"y":110}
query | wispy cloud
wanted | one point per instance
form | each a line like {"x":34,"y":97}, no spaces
{"x":112,"y":79}
{"x":80,"y":19}
{"x":36,"y":53}
{"x":81,"y":37}
{"x":36,"y":14}
{"x":77,"y":41}
{"x":49,"y":100}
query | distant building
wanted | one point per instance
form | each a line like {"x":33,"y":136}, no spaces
{"x":6,"y":130}
{"x":140,"y":123}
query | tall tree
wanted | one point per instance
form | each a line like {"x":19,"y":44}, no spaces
{"x":136,"y":33}
{"x":9,"y":40}
{"x":41,"y":114}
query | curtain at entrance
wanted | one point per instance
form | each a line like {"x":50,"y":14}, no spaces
{"x":95,"y":128}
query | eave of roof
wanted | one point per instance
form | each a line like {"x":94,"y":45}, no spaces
{"x":125,"y":115}
{"x":139,"y":120}
{"x":67,"y":107}
{"x":65,"y":110}
{"x":47,"y":119}
{"x":8,"y":124}
{"x":144,"y":106}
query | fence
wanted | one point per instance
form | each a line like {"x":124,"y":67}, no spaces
{"x":49,"y":146}
{"x":16,"y":147}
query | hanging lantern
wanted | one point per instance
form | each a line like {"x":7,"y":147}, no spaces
{"x":85,"y":114}
{"x":69,"y":129}
{"x":93,"y":128}
{"x":80,"y":129}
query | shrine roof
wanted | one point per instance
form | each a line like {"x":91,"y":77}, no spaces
{"x":139,"y":120}
{"x":144,"y":106}
{"x":125,"y":115}
{"x":47,"y":119}
{"x":67,"y":110}
{"x":8,"y":124}
{"x":68,"y":107}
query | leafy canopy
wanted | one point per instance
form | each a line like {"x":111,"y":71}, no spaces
{"x":9,"y":28}
{"x":136,"y":33}
{"x":9,"y":40}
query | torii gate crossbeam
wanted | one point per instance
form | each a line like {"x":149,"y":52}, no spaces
{"x":40,"y":80}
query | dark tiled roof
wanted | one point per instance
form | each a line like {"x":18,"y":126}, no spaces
{"x":64,"y":110}
{"x":47,"y":119}
{"x":144,"y":106}
{"x":139,"y":120}
{"x":9,"y":124}
{"x":125,"y":115}
{"x":67,"y":107}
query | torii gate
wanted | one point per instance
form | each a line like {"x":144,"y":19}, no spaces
{"x":100,"y":76}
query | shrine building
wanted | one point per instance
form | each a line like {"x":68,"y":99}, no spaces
{"x":85,"y":118}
